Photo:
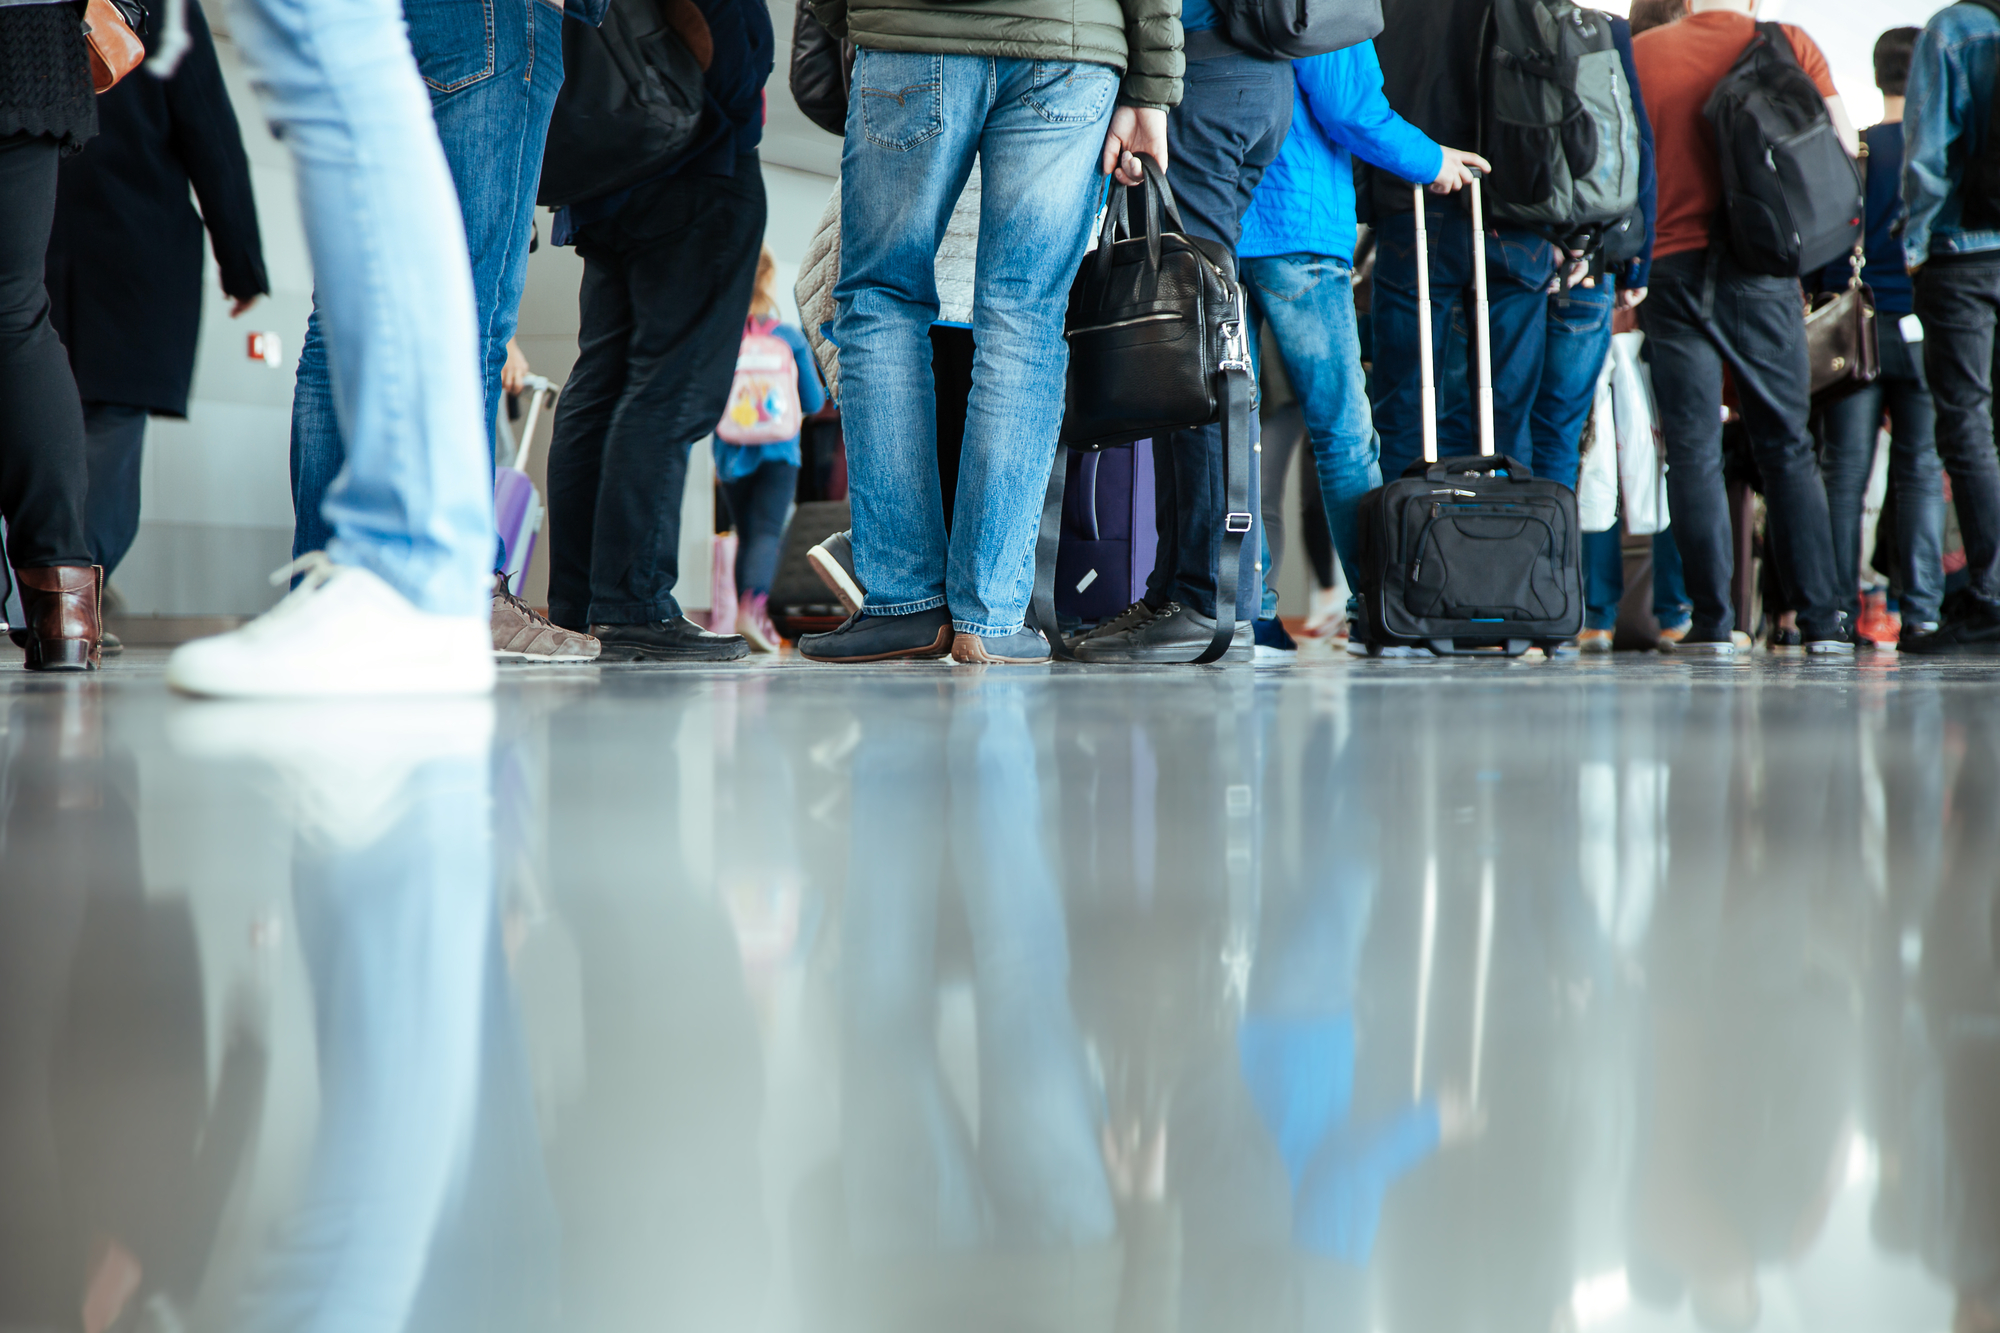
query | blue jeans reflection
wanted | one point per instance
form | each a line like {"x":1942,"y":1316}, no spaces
{"x":964,"y":788}
{"x":424,"y":1204}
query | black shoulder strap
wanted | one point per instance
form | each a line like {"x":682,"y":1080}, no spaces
{"x":1233,"y":389}
{"x":1048,"y":544}
{"x":1780,"y":44}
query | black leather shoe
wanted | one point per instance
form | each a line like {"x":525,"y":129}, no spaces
{"x":676,"y":640}
{"x":865,"y":638}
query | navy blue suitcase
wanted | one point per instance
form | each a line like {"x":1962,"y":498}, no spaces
{"x":1108,"y":535}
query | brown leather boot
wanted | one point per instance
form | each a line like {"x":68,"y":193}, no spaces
{"x":60,"y":604}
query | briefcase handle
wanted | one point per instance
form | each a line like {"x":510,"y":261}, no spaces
{"x":1482,"y":337}
{"x":1444,"y":469}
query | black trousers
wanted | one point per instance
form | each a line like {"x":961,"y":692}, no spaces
{"x":114,"y":442}
{"x":1762,"y":319}
{"x":1958,"y":301}
{"x":666,"y":288}
{"x":42,"y":476}
{"x":1234,"y":113}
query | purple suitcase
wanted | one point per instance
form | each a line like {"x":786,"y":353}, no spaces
{"x":517,"y":505}
{"x":1107,"y":532}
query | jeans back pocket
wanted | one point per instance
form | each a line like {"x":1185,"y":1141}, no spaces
{"x":452,"y":41}
{"x":1071,"y":94}
{"x":901,"y":95}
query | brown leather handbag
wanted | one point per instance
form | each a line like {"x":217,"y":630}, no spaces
{"x":1840,"y":337}
{"x":115,"y":48}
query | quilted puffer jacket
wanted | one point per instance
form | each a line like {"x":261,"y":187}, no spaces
{"x":1139,"y":38}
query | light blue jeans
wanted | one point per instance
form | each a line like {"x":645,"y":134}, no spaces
{"x":963,"y":785}
{"x":914,"y":126}
{"x":399,"y":938}
{"x":391,"y":441}
{"x":1308,"y":300}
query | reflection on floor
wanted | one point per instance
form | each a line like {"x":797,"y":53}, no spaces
{"x":1373,"y":998}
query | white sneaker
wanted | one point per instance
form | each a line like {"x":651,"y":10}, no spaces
{"x":343,"y":769}
{"x":342,"y":631}
{"x":1325,"y":608}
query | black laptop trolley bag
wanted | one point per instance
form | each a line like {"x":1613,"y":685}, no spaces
{"x":1469,"y":554}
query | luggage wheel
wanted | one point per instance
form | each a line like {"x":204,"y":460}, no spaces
{"x":1510,"y":648}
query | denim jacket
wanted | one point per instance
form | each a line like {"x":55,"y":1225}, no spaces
{"x":1944,"y":120}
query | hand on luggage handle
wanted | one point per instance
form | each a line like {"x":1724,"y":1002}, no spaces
{"x":1428,"y":388}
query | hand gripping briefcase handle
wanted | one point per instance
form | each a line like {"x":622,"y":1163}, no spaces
{"x":1127,"y":382}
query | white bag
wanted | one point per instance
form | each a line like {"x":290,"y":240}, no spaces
{"x":1642,"y":455}
{"x":1597,"y":474}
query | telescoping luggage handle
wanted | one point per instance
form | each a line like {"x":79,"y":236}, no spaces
{"x":1481,"y":327}
{"x":540,"y":392}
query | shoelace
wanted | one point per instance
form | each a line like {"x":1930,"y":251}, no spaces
{"x":316,"y":567}
{"x":534,"y":617}
{"x":314,"y":570}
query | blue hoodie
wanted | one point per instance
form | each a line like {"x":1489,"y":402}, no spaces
{"x":1305,"y":203}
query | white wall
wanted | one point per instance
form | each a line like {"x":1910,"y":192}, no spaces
{"x":216,"y":513}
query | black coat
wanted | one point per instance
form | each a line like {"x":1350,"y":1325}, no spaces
{"x":124,"y":263}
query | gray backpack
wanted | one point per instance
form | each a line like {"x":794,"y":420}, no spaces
{"x":1560,"y":125}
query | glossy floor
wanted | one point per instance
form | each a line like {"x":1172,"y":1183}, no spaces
{"x":1378,"y":998}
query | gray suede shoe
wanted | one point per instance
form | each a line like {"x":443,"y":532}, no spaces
{"x":1024,"y":647}
{"x":1177,"y":634}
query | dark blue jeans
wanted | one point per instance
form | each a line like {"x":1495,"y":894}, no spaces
{"x":1578,"y":339}
{"x":1849,"y":430}
{"x":493,"y":68}
{"x":1604,"y":580}
{"x":1519,"y":266}
{"x":1759,"y":316}
{"x":1232,"y":119}
{"x":760,"y":505}
{"x":1958,"y":301}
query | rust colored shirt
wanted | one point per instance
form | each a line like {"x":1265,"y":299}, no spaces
{"x":1679,"y":66}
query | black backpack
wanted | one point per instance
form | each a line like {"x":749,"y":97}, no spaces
{"x":1792,"y":198}
{"x":1295,"y":29}
{"x":631,"y":104}
{"x":1560,"y":127}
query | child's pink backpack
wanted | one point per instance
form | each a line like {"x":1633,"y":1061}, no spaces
{"x":764,"y":398}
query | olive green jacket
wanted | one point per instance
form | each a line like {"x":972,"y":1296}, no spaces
{"x":1139,"y":38}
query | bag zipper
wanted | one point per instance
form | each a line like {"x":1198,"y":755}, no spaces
{"x":1124,"y":323}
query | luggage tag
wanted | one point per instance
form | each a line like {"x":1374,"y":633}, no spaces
{"x":1911,"y":328}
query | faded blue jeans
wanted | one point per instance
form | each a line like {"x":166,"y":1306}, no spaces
{"x":492,"y":68}
{"x":1308,"y":300}
{"x":914,"y":126}
{"x":961,"y":783}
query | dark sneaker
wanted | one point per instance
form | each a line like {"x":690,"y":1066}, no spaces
{"x":1176,"y":634}
{"x":1131,"y":617}
{"x":833,"y":561}
{"x":1784,"y":641}
{"x":1912,"y":631}
{"x":1719,"y":642}
{"x":1971,"y":628}
{"x":1024,"y":647}
{"x":872,"y":638}
{"x":676,"y":640}
{"x":1273,"y":644}
{"x":1835,"y":640}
